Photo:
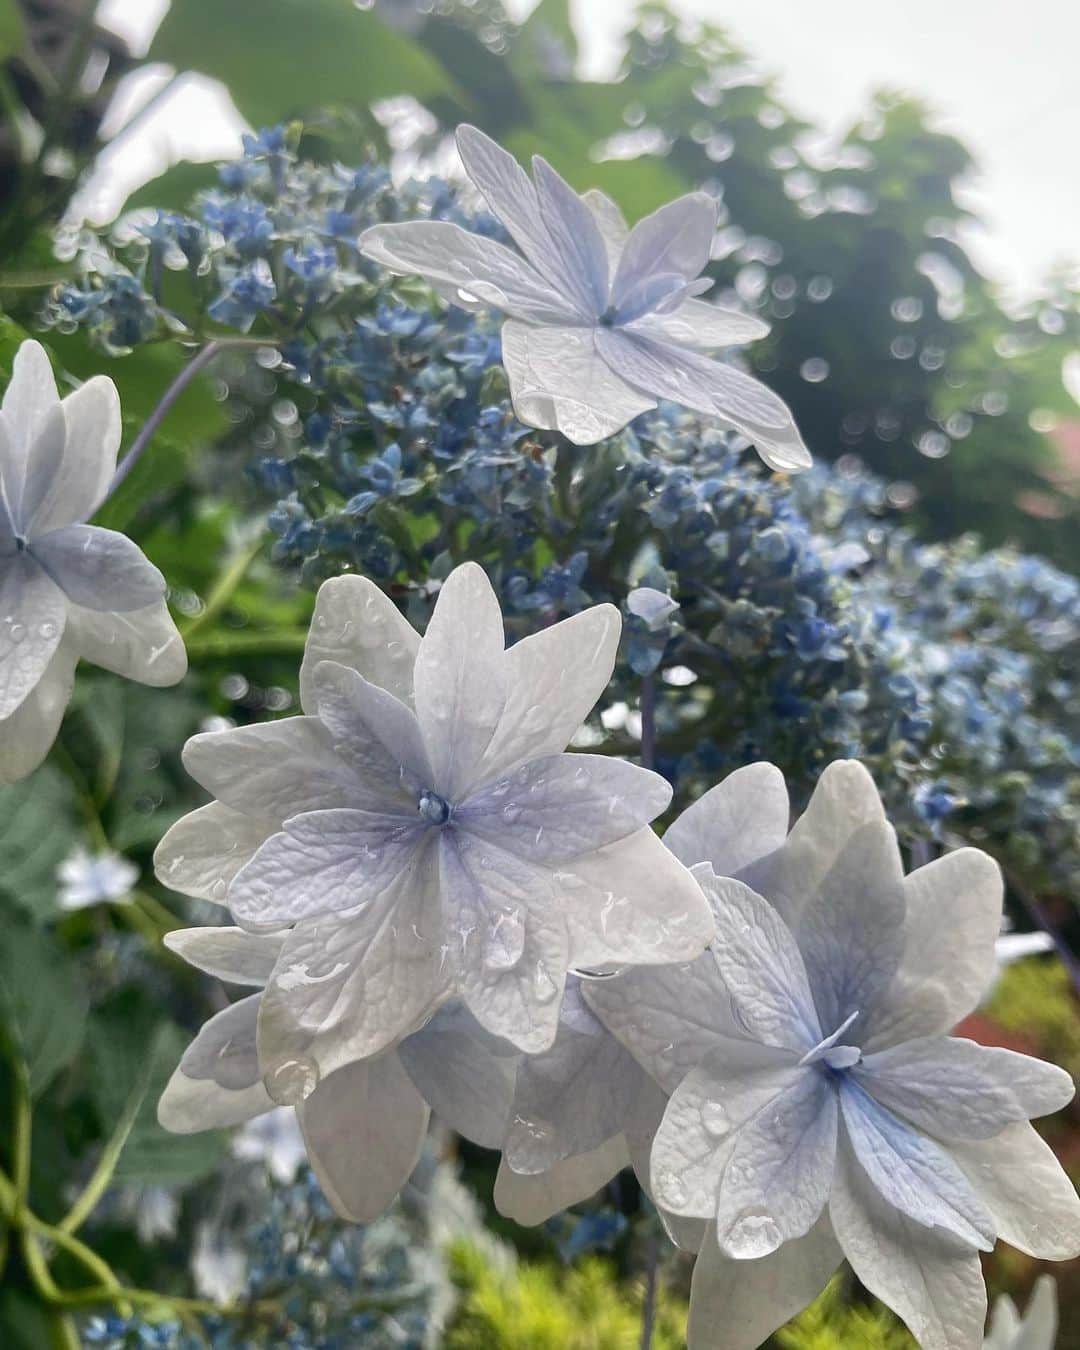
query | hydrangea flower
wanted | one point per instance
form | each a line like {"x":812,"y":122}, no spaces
{"x":819,"y":1108}
{"x":87,"y":879}
{"x":67,"y":589}
{"x":1036,"y":1330}
{"x":602,"y":320}
{"x":418,"y":834}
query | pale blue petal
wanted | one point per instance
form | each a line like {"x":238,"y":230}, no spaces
{"x":674,"y":239}
{"x":912,"y":1173}
{"x":99,"y":569}
{"x":44,"y":457}
{"x":32,"y":618}
{"x":735,"y":823}
{"x":224,"y":1050}
{"x":956,"y":1089}
{"x":702,"y":324}
{"x":575,"y":237}
{"x":554,"y":809}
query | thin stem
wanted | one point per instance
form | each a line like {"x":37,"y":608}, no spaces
{"x":219,"y":645}
{"x":648,"y":721}
{"x":197,"y":363}
{"x":648,"y":1308}
{"x":102,"y":1174}
{"x":224,"y":588}
{"x":21,"y":1140}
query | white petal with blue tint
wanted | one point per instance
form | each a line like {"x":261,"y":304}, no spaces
{"x":575,"y":238}
{"x":32,"y":618}
{"x":229,"y":953}
{"x":703,"y":325}
{"x":204,"y":850}
{"x":735,"y":823}
{"x":29,"y":398}
{"x":92,"y":437}
{"x":674,"y":239}
{"x":142,"y":645}
{"x":26,"y":736}
{"x":530,"y":1200}
{"x":99,"y":569}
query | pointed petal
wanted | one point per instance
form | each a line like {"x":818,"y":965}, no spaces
{"x":553,"y":680}
{"x":364,"y":1127}
{"x":912,"y":1173}
{"x":143,"y":645}
{"x":632,"y":902}
{"x":99,"y":569}
{"x":1034,"y":1204}
{"x":733,"y":824}
{"x":348,"y":985}
{"x":1041,"y":1317}
{"x":275,"y":769}
{"x":465,"y":1074}
{"x":461,"y":679}
{"x":204,"y":850}
{"x":530,"y":1200}
{"x":27,"y":735}
{"x":946,"y":968}
{"x":958,"y":1090}
{"x":508,"y":941}
{"x":469,"y":264}
{"x":92,"y":437}
{"x":32,"y":618}
{"x":30,"y":396}
{"x":229,"y":953}
{"x":322,"y":861}
{"x":563,"y":806}
{"x":191,"y":1105}
{"x":927,"y":1277}
{"x":575,"y":237}
{"x":611,"y":223}
{"x":359,"y":626}
{"x":44,"y":461}
{"x":675,"y":238}
{"x":710,"y":387}
{"x":560,"y":382}
{"x":224,"y":1050}
{"x":780,"y":1170}
{"x":701,"y":324}
{"x":737,"y":1305}
{"x":641,"y":1128}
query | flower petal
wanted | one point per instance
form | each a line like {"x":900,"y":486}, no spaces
{"x":737,"y":1305}
{"x":348,"y":985}
{"x":699,"y":323}
{"x":357,"y":625}
{"x":633,"y":902}
{"x":29,"y":398}
{"x":780,"y":1169}
{"x":1034,"y":1204}
{"x":27,"y":735}
{"x":575,"y":238}
{"x":44,"y":461}
{"x":204,"y":850}
{"x":701,"y":1123}
{"x":229,"y":953}
{"x":711,"y":387}
{"x":946,"y":968}
{"x":761,"y":967}
{"x":733,"y":824}
{"x":553,"y":680}
{"x":191,"y":1105}
{"x":32,"y":618}
{"x":322,"y":861}
{"x":675,"y":238}
{"x":364,"y":1127}
{"x":560,"y":382}
{"x":929,"y":1278}
{"x":275,"y":769}
{"x":461,"y":679}
{"x":142,"y":645}
{"x":93,"y":428}
{"x":479,"y":268}
{"x":98,"y":569}
{"x":958,"y":1090}
{"x":562,"y":806}
{"x":465,"y":1074}
{"x":224,"y":1050}
{"x":509,"y":941}
{"x":376,"y":734}
{"x":530,"y":1200}
{"x":912,"y":1173}
{"x":611,"y":223}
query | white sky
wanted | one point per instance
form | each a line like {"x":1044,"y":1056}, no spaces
{"x":1000,"y":74}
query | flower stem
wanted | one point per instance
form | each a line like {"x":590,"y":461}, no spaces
{"x":648,"y":721}
{"x":648,"y":1308}
{"x":102,"y":1174}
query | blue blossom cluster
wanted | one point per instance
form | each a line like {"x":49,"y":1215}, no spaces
{"x":806,"y":626}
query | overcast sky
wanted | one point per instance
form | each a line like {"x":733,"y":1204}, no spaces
{"x":1001,"y":74}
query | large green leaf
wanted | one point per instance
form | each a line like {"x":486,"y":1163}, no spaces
{"x":42,"y":1007}
{"x":38,"y":826}
{"x":283,"y":58}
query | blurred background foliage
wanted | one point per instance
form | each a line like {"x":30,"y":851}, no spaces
{"x":855,"y":612}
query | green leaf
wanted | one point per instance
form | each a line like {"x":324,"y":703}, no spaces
{"x":24,"y":1323}
{"x":38,"y":827}
{"x":175,"y":189}
{"x":12,"y":29}
{"x":42,"y":1007}
{"x":284,"y":58}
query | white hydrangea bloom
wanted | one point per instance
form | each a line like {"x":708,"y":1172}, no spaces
{"x":1036,"y":1330}
{"x":68,"y":590}
{"x":87,"y":879}
{"x":418,"y":834}
{"x":602,"y":320}
{"x":818,"y":1106}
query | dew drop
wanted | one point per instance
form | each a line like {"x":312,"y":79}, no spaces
{"x":506,"y":941}
{"x":17,"y":632}
{"x":544,"y":986}
{"x":715,"y":1119}
{"x":670,"y":1189}
{"x":47,"y":630}
{"x":292,"y":1081}
{"x":511,"y":813}
{"x":753,"y":1234}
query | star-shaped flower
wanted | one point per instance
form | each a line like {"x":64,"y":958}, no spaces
{"x":819,"y":1108}
{"x":603,"y":320}
{"x":1036,"y":1330}
{"x":421,"y":835}
{"x":67,"y":589}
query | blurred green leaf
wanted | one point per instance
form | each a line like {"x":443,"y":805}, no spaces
{"x":282,"y":58}
{"x":38,"y":823}
{"x":42,"y":1007}
{"x":24,"y":1324}
{"x":174,"y":189}
{"x":12,"y":28}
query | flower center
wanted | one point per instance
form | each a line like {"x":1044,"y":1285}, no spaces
{"x":832,"y":1053}
{"x":609,"y":317}
{"x":434,"y":809}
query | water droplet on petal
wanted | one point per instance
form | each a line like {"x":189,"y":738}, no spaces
{"x":292,"y":1081}
{"x":670,"y":1189}
{"x":715,"y":1119}
{"x":506,"y":941}
{"x":544,"y":986}
{"x":753,"y":1235}
{"x":47,"y":630}
{"x":511,"y":813}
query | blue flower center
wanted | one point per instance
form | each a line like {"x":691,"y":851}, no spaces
{"x":434,"y":809}
{"x":609,"y":317}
